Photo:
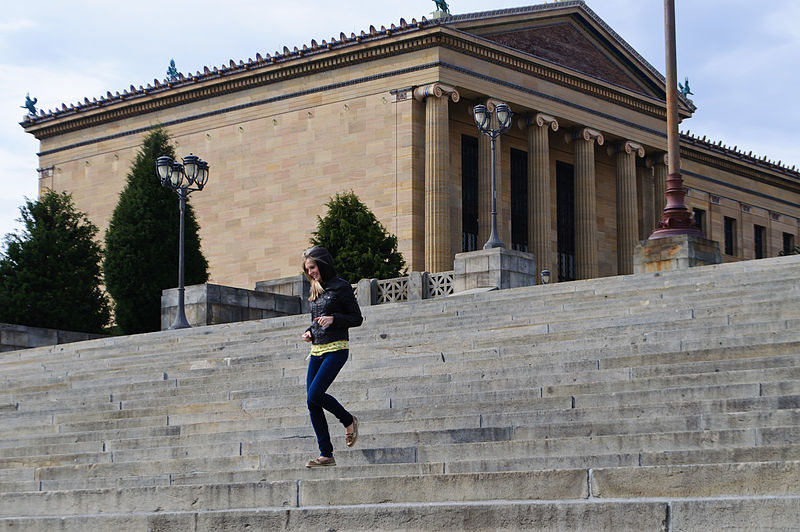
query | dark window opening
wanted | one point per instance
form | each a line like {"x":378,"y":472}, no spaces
{"x":469,"y":193}
{"x":730,"y":236}
{"x":788,"y":243}
{"x":565,"y":220}
{"x":519,"y":200}
{"x":759,"y":232}
{"x":700,"y":220}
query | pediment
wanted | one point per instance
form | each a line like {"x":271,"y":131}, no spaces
{"x":569,"y":35}
{"x":565,"y":45}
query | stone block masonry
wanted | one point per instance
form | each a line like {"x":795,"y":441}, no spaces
{"x":13,"y":337}
{"x":211,"y":304}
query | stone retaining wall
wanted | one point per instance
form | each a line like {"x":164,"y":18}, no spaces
{"x":211,"y":304}
{"x":13,"y":337}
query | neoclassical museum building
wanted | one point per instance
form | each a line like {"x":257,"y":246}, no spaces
{"x":388,"y":114}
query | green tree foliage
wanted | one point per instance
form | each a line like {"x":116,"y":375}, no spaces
{"x":142,"y":242}
{"x":360,"y":245}
{"x":50,"y":273}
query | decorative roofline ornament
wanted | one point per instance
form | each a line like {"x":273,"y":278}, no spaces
{"x":30,"y":105}
{"x":172,"y":71}
{"x":684,"y":88}
{"x":442,"y":9}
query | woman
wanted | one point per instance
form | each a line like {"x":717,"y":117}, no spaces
{"x":333,"y":310}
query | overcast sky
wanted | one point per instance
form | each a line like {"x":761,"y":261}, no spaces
{"x":741,"y":58}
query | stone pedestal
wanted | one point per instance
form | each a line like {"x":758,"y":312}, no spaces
{"x":675,"y":253}
{"x":367,"y":293}
{"x":210,"y":304}
{"x":498,"y":268}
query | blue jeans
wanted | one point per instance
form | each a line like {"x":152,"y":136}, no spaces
{"x":322,"y":370}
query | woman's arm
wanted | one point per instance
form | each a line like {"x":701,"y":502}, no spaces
{"x":349,"y":314}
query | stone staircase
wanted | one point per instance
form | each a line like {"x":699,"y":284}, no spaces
{"x":647,"y":402}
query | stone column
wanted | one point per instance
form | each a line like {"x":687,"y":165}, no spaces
{"x":438,"y":247}
{"x":646,"y":203}
{"x":586,"y":262}
{"x":539,"y":217}
{"x":659,"y":165}
{"x":627,"y":213}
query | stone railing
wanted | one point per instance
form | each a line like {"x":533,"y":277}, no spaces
{"x":416,"y":286}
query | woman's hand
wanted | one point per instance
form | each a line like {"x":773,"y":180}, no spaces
{"x":325,"y":321}
{"x":307,"y":336}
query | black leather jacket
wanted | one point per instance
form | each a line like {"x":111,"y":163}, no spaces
{"x":337,"y":301}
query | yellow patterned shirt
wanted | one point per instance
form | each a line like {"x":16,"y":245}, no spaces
{"x":321,"y":349}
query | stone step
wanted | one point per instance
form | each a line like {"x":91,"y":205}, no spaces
{"x":610,"y":444}
{"x":197,"y":471}
{"x":263,"y":442}
{"x":712,"y":480}
{"x":728,"y":455}
{"x":761,"y":376}
{"x":532,"y":515}
{"x":734,"y":513}
{"x":123,"y":378}
{"x":97,"y":436}
{"x":706,"y":480}
{"x":247,"y":476}
{"x":675,"y":416}
{"x":496,"y":414}
{"x":256,"y":388}
{"x":176,"y":467}
{"x":169,"y":388}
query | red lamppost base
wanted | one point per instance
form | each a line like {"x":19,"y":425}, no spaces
{"x":676,"y":219}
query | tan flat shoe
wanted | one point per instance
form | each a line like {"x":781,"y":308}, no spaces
{"x":316,"y":462}
{"x":350,"y":439}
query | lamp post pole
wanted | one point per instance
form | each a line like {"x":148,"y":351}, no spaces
{"x":182,"y":179}
{"x":676,"y":219}
{"x":483,"y":119}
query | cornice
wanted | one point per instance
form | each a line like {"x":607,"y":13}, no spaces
{"x":771,"y":175}
{"x":220,"y":83}
{"x":217,"y":83}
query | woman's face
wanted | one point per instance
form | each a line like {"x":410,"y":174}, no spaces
{"x":313,"y":271}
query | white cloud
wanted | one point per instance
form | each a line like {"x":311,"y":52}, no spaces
{"x":15,"y":24}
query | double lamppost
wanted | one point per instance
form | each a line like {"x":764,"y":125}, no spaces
{"x":484,"y":120}
{"x":182,"y":179}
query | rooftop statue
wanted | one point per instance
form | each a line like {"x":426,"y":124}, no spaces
{"x":441,"y":5}
{"x":30,"y":105}
{"x":172,"y":71}
{"x":684,"y":88}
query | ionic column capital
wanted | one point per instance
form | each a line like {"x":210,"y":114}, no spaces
{"x":539,"y":120}
{"x":654,"y":160}
{"x":492,"y":103}
{"x":587,"y":134}
{"x":628,"y":147}
{"x":436,"y":89}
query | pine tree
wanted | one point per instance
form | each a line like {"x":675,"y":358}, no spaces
{"x":50,"y":273}
{"x":359,"y":243}
{"x":142,"y":242}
